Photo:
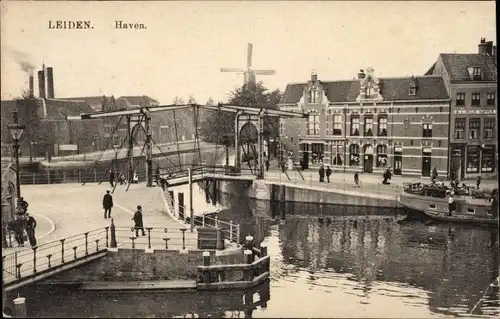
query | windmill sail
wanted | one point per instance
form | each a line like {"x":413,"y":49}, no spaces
{"x":232,"y":70}
{"x":264,"y":72}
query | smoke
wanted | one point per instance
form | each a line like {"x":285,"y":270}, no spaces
{"x":23,"y":59}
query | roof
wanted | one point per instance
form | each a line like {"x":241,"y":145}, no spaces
{"x":62,"y":108}
{"x":135,"y":101}
{"x":428,"y":88}
{"x":456,"y":64}
{"x":431,"y":70}
{"x":95,"y":102}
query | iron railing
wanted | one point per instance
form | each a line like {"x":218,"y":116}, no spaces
{"x":155,"y":238}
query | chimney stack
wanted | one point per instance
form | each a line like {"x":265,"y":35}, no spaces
{"x":361,"y":74}
{"x":485,"y":48}
{"x":314,"y":76}
{"x":50,"y":83}
{"x":31,"y":86}
{"x":41,"y":84}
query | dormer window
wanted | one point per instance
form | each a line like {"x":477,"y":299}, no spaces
{"x":413,"y":86}
{"x":313,"y":95}
{"x":476,"y":73}
{"x":413,"y":90}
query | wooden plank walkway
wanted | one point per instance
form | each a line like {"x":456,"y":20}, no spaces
{"x":139,"y":285}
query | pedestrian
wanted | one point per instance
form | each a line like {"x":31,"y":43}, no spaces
{"x":17,"y":225}
{"x":107,"y":204}
{"x":322,"y":173}
{"x":267,"y":165}
{"x":478,"y":182}
{"x":111,"y":178}
{"x":30,"y":229}
{"x":387,"y":176}
{"x":138,"y":225}
{"x":23,"y":204}
{"x":356,"y":179}
{"x":451,"y":203}
{"x":121,"y":179}
{"x":135,"y":180}
{"x":328,"y":173}
{"x":434,"y":174}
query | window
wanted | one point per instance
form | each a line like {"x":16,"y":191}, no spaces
{"x":460,"y":128}
{"x":460,"y":99}
{"x":489,"y":125}
{"x":355,"y":126}
{"x":354,"y":155}
{"x":368,"y":125}
{"x":381,"y":156}
{"x":488,"y":159}
{"x":474,"y":125}
{"x":382,"y":125}
{"x":476,"y":74}
{"x":476,"y":99}
{"x":413,"y":90}
{"x":472,"y":159}
{"x":490,"y":99}
{"x":313,"y":124}
{"x":337,"y":124}
{"x":317,"y":150}
{"x":313,"y":96}
{"x":427,"y":130}
{"x":337,"y":153}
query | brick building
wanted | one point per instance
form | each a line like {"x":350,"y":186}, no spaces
{"x":369,"y":124}
{"x":471,"y":82}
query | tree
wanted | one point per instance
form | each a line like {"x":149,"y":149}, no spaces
{"x":218,"y":127}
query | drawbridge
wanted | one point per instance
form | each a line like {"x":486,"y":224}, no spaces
{"x":247,"y":140}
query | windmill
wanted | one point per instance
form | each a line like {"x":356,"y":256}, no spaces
{"x":249,"y":74}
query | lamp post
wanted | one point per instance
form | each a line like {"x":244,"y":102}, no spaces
{"x":16,"y":131}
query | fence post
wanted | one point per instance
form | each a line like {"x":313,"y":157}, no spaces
{"x":74,"y":252}
{"x":216,"y":221}
{"x":34,"y":259}
{"x":48,"y":177}
{"x":79,"y":176}
{"x":33,"y":178}
{"x":107,"y":236}
{"x":263,"y":250}
{"x":183,"y":230}
{"x":86,"y":244}
{"x":231,"y":231}
{"x":133,"y":241}
{"x":248,"y":260}
{"x":62,"y":251}
{"x":97,"y":245}
{"x":64,"y":177}
{"x":238,"y":233}
{"x":149,"y":236}
{"x":48,"y":257}
{"x":113,"y":234}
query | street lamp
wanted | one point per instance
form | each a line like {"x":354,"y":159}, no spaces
{"x":16,"y":131}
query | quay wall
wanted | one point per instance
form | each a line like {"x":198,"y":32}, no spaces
{"x":289,"y":192}
{"x":142,"y":265}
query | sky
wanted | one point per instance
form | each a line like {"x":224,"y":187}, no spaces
{"x":186,"y":43}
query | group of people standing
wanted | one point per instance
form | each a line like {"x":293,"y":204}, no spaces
{"x":23,"y":222}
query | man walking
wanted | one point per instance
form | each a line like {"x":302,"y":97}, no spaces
{"x":267,"y":165}
{"x":30,"y":229}
{"x":138,"y":222}
{"x":328,"y":173}
{"x":107,"y":204}
{"x":478,"y":182}
{"x":356,"y":179}
{"x":111,"y":179}
{"x":322,"y":173}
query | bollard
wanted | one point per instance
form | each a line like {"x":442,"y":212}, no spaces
{"x":231,"y":231}
{"x":149,"y":236}
{"x":249,"y":242}
{"x":97,"y":245}
{"x":86,"y":243}
{"x":107,"y":236}
{"x":34,"y":259}
{"x":62,"y":251}
{"x":216,"y":222}
{"x":74,"y":252}
{"x":113,"y":234}
{"x":20,"y":307}
{"x":183,"y":230}
{"x":263,"y":250}
{"x":48,"y":257}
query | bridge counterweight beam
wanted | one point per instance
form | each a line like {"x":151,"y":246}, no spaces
{"x":130,"y":149}
{"x":149,"y":151}
{"x":237,"y":140}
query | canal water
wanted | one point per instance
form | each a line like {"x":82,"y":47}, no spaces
{"x":329,"y":262}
